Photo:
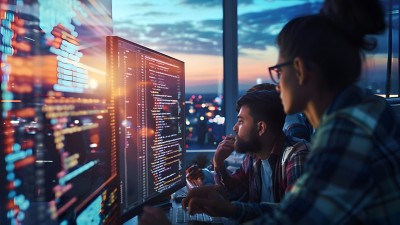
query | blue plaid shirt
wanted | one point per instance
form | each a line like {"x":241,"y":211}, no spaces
{"x":352,"y":175}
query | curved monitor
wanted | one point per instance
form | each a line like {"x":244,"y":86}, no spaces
{"x":147,"y":106}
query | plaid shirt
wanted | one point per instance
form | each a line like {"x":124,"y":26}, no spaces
{"x":353,"y":172}
{"x":245,"y":183}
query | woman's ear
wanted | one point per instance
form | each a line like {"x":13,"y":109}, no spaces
{"x":302,"y":73}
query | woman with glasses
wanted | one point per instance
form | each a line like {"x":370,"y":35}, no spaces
{"x":352,"y":175}
{"x":353,"y":170}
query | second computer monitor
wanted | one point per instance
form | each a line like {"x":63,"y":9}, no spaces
{"x":147,"y":98}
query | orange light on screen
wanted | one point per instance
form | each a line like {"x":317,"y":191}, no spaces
{"x":56,"y":43}
{"x":27,"y":144}
{"x":8,"y":149}
{"x":24,"y":113}
{"x":25,"y":162}
{"x":22,"y":46}
{"x":41,"y":67}
{"x":21,"y":88}
{"x":10,"y":204}
{"x":18,"y":21}
{"x":10,"y":100}
{"x":147,"y":132}
{"x":95,"y":138}
{"x":18,"y":26}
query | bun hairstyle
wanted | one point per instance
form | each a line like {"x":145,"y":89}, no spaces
{"x":356,"y":18}
{"x":331,"y":42}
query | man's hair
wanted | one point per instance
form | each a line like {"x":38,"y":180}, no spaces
{"x":262,"y":87}
{"x":264,"y":106}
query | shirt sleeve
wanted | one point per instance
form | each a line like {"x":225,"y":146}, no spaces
{"x":294,"y":168}
{"x":237,"y":183}
{"x":250,"y":210}
{"x":335,"y":186}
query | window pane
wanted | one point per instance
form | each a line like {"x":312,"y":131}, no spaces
{"x":376,"y":64}
{"x":177,"y":28}
{"x":259,"y":22}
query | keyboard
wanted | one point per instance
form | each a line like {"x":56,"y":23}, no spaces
{"x":182,"y":216}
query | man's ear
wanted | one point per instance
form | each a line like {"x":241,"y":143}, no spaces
{"x":301,"y":70}
{"x":262,"y":128}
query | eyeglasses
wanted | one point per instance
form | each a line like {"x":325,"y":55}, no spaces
{"x":275,"y":71}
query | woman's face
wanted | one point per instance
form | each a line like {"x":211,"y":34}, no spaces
{"x":288,"y":88}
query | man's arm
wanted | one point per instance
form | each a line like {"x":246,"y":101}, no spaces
{"x":223,"y":151}
{"x":210,"y":199}
{"x":237,"y":183}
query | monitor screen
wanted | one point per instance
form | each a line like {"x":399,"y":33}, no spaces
{"x":147,"y":89}
{"x":57,"y":163}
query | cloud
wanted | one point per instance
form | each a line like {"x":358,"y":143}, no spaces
{"x":211,"y":3}
{"x":184,"y":37}
{"x":257,"y":31}
{"x":155,"y":14}
{"x":142,"y":5}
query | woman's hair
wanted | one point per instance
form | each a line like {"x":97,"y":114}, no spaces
{"x":332,"y":42}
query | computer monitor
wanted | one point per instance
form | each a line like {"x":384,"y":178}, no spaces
{"x":147,"y":89}
{"x":57,"y":160}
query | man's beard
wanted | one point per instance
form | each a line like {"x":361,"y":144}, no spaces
{"x":253,"y":145}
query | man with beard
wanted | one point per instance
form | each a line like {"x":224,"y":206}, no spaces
{"x":273,"y":160}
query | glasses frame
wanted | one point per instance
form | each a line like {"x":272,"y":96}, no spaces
{"x":277,"y":71}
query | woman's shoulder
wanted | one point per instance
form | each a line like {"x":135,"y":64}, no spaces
{"x":357,"y":107}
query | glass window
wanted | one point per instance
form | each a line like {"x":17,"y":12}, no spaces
{"x":258,"y":24}
{"x":260,"y":21}
{"x":384,"y":59}
{"x":192,"y":32}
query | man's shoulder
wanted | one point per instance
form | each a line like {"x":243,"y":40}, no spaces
{"x":296,"y":144}
{"x":295,"y":147}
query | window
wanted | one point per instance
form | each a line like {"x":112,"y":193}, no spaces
{"x":192,"y":32}
{"x":381,"y":70}
{"x":259,"y":22}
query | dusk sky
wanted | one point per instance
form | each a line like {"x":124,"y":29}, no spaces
{"x":191,"y":30}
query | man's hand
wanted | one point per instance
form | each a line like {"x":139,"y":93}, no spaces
{"x":209,"y":199}
{"x":153,"y":216}
{"x":194,"y":177}
{"x":224,"y":149}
